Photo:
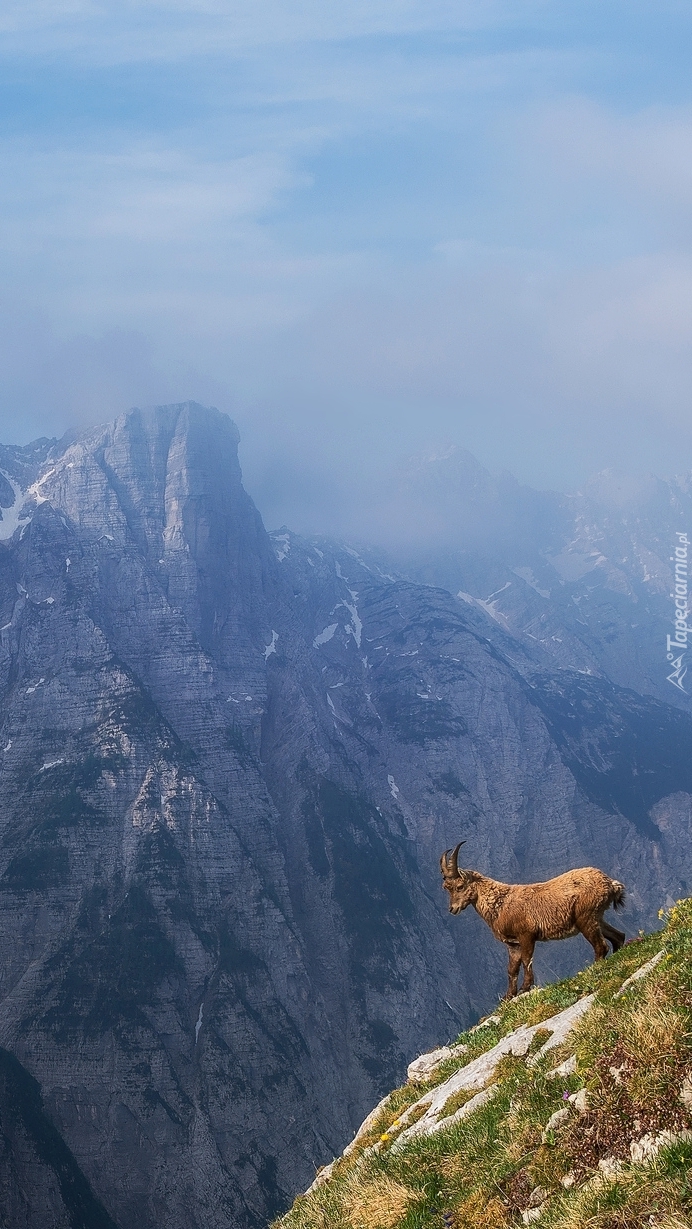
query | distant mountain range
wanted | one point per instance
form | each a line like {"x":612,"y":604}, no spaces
{"x":229,"y":764}
{"x":583,"y":581}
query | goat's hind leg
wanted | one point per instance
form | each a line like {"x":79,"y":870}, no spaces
{"x":527,"y":949}
{"x":591,"y":931}
{"x":615,"y":937}
{"x":513,"y":969}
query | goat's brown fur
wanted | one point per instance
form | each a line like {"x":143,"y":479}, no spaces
{"x":520,"y":915}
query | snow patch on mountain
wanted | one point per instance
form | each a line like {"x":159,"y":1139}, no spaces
{"x":11,"y":520}
{"x":325,"y":635}
{"x":282,"y":545}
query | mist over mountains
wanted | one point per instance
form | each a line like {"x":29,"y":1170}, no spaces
{"x":584,"y":580}
{"x":229,"y":763}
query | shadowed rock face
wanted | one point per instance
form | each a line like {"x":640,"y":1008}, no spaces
{"x":229,"y":764}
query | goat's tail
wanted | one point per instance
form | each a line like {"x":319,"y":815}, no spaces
{"x":618,"y":894}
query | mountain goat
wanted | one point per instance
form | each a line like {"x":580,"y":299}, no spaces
{"x":522,"y":914}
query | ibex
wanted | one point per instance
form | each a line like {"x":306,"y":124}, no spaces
{"x":522,"y":914}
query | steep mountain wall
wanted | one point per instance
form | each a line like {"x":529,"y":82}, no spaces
{"x":228,"y":766}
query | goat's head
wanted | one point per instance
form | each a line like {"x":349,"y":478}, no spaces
{"x":459,"y":884}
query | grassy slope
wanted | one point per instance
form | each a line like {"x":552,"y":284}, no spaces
{"x":633,"y":1054}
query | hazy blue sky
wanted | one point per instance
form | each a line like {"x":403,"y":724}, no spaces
{"x":363,"y":228}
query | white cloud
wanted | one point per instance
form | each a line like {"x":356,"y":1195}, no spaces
{"x":110,"y":32}
{"x":372,"y":239}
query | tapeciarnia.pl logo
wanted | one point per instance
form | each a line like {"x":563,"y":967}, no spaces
{"x":676,"y":645}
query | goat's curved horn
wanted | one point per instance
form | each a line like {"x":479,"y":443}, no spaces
{"x":455,"y":855}
{"x":450,"y":867}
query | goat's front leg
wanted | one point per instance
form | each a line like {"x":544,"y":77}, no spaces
{"x":513,"y":969}
{"x":527,"y":947}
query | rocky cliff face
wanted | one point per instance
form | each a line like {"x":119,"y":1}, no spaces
{"x":229,"y":764}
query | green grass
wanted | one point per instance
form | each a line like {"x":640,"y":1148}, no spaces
{"x":632,"y":1055}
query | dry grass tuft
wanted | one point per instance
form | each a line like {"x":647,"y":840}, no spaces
{"x":654,"y":1036}
{"x":378,"y":1204}
{"x":309,"y":1213}
{"x":523,"y":1137}
{"x":478,"y":1212}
